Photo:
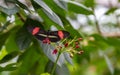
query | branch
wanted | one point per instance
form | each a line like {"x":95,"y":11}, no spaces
{"x":112,"y":34}
{"x":96,"y":23}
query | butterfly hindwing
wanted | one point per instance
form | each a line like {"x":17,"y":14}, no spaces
{"x":58,"y":35}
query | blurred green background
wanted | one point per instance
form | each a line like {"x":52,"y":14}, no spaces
{"x":96,"y":21}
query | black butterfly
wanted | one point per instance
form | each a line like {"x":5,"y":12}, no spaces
{"x":48,"y":36}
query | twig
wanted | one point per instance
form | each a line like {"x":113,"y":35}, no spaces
{"x":55,"y":64}
{"x":96,"y":23}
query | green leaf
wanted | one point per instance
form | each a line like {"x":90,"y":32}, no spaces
{"x":23,"y":38}
{"x":3,"y":39}
{"x":22,"y":5}
{"x":73,"y":32}
{"x":61,"y":4}
{"x":9,"y":56}
{"x":98,"y":37}
{"x":49,"y":12}
{"x":3,"y":53}
{"x":3,"y":17}
{"x":55,"y":7}
{"x":45,"y":74}
{"x":49,"y":66}
{"x":54,"y":17}
{"x":78,"y":8}
{"x":48,"y":49}
{"x":28,"y":59}
{"x":89,"y":3}
{"x":9,"y":67}
{"x":4,"y":26}
{"x":8,"y":7}
{"x":35,"y":5}
{"x":63,"y":70}
{"x":109,"y":64}
{"x":111,"y":10}
{"x":69,"y":28}
{"x":113,"y":42}
{"x":68,"y":58}
{"x":99,"y":42}
{"x":10,"y":43}
{"x":47,"y":21}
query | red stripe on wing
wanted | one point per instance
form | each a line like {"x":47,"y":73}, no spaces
{"x":35,"y":30}
{"x":61,"y":34}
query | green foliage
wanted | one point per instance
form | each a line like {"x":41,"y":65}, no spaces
{"x":111,"y":10}
{"x":22,"y":54}
{"x":78,"y":8}
{"x":9,"y":67}
{"x":29,"y":58}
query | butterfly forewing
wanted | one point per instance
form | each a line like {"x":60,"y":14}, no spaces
{"x":41,"y":35}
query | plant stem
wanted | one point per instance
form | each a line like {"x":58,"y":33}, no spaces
{"x":54,"y":67}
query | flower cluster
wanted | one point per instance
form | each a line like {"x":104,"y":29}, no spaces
{"x":46,"y":40}
{"x":71,"y":46}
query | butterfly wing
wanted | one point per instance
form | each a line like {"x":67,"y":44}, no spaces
{"x":37,"y":32}
{"x":41,"y":35}
{"x":55,"y":36}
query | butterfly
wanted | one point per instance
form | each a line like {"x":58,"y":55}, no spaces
{"x":49,"y":36}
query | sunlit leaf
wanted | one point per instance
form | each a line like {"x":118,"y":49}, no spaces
{"x":3,"y":53}
{"x":49,"y":12}
{"x":45,"y":74}
{"x":78,"y":8}
{"x":9,"y":56}
{"x":61,"y":3}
